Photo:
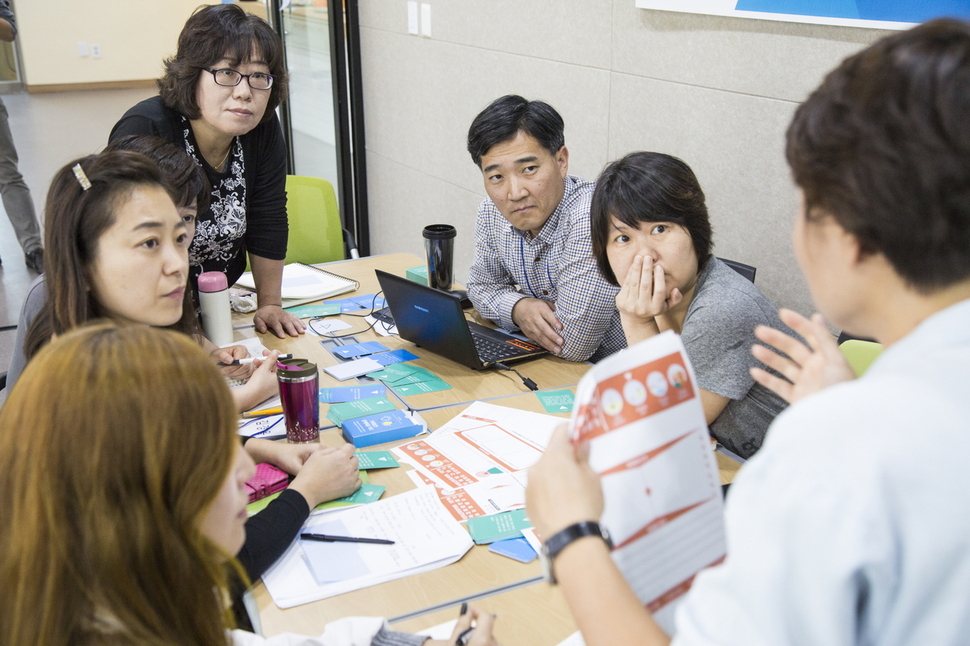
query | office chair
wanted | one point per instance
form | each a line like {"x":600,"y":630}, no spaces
{"x":860,"y":354}
{"x":745,"y":270}
{"x":316,"y":232}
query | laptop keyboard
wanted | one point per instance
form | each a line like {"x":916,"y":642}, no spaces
{"x":489,"y":350}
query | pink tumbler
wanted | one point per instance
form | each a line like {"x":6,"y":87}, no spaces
{"x":300,"y":396}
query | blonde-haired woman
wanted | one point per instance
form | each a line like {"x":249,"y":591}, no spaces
{"x":118,"y":530}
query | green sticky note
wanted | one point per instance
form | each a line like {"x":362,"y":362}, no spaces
{"x":556,"y":401}
{"x":367,"y":493}
{"x":375,"y":460}
{"x":262,"y":503}
{"x":339,"y":413}
{"x":497,"y":527}
{"x":316,"y":309}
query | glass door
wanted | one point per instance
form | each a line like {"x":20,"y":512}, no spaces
{"x":323,"y":117}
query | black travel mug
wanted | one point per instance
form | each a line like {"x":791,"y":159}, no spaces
{"x":439,"y":244}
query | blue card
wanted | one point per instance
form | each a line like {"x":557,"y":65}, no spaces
{"x":359,"y":349}
{"x":514,"y":548}
{"x":395,"y":356}
{"x":351,"y":393}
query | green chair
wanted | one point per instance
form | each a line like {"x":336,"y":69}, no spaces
{"x":860,"y":354}
{"x":316,"y":232}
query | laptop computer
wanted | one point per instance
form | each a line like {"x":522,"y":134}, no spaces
{"x":434,"y":320}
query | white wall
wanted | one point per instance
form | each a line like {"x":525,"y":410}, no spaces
{"x":134,"y":36}
{"x":717,"y":92}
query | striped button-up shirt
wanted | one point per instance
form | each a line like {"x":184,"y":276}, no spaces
{"x":555,"y":266}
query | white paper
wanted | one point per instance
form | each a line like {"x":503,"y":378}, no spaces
{"x":641,"y":413}
{"x":351,"y":369}
{"x":320,"y":327}
{"x":426,"y":538}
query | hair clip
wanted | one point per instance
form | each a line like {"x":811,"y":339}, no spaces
{"x":82,"y":178}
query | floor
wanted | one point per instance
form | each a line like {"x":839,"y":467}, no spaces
{"x":49,"y":130}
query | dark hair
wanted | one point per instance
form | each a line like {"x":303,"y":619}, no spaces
{"x":505,"y":117}
{"x":883,"y":147}
{"x":212,"y":33}
{"x":74,"y":220}
{"x":648,"y":187}
{"x":185,"y":177}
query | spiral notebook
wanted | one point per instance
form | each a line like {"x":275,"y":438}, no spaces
{"x":304,"y":283}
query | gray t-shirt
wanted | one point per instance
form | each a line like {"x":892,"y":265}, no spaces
{"x":718,"y":334}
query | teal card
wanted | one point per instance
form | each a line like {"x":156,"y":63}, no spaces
{"x":316,"y":309}
{"x":498,"y":527}
{"x":407,"y":379}
{"x":367,"y":493}
{"x":375,"y":460}
{"x":429,"y":386}
{"x":556,"y":401}
{"x":340,"y":413}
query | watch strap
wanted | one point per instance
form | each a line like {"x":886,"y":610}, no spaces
{"x":565,"y":537}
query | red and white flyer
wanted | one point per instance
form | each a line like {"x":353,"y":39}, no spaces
{"x":641,"y":413}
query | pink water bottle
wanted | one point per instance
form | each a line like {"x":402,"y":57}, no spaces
{"x":214,"y":302}
{"x":300,"y":396}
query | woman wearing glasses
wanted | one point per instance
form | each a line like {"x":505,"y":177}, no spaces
{"x":217,"y":99}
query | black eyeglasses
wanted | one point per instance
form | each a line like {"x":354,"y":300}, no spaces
{"x":231,"y":78}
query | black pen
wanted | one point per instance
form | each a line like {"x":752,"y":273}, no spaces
{"x":327,"y":538}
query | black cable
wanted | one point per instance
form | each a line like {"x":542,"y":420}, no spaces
{"x":531,"y":385}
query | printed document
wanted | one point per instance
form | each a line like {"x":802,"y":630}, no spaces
{"x":641,"y":413}
{"x":426,"y":537}
{"x":478,"y":460}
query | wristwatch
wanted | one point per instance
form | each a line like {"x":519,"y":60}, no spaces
{"x":558,"y":542}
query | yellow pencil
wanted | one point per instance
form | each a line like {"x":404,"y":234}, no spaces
{"x":262,"y":413}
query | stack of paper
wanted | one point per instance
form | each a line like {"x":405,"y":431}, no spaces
{"x":426,"y":537}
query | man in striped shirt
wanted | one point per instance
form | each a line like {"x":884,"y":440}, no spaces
{"x":534,"y":268}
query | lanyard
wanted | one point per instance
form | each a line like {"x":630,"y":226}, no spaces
{"x":525,"y":270}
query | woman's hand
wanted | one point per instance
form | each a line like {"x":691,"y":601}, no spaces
{"x":481,"y":635}
{"x":285,"y":456}
{"x":642,"y":298}
{"x":809,"y":367}
{"x":327,"y":474}
{"x":230,"y":354}
{"x":562,"y":488}
{"x":278,"y":321}
{"x":261,"y":385}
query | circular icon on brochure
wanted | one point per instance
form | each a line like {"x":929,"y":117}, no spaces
{"x":436,"y":463}
{"x":634,"y":392}
{"x":421,"y":452}
{"x":612,"y":402}
{"x":411,"y":447}
{"x":428,"y":458}
{"x":657,"y":384}
{"x":677,"y":375}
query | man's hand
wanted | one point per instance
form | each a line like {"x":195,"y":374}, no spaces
{"x":809,"y":367}
{"x":562,"y":488}
{"x":537,"y":319}
{"x":644,"y":297}
{"x":277,"y":320}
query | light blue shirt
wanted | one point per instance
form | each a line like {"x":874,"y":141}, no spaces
{"x":852,"y":524}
